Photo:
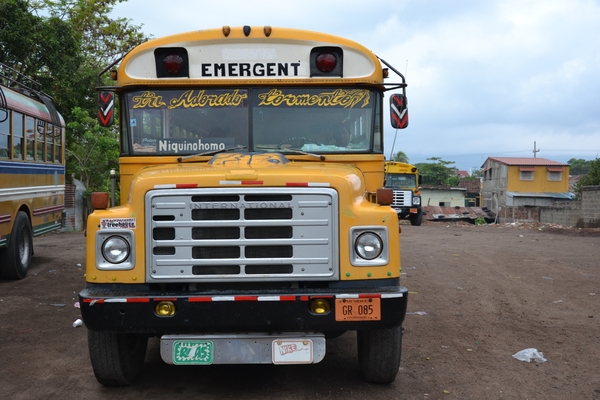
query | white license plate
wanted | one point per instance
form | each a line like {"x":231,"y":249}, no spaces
{"x":292,"y":351}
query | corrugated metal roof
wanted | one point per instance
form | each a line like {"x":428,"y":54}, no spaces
{"x":525,"y":161}
{"x":472,"y":186}
{"x":437,"y":213}
{"x":528,"y":168}
{"x":553,"y":195}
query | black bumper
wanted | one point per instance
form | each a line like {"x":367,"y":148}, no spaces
{"x":134,"y":312}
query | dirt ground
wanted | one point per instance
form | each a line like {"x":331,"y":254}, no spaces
{"x":478,"y":295}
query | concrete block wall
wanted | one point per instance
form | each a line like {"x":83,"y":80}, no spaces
{"x":590,"y":206}
{"x":519,"y":213}
{"x":579,"y":214}
{"x":563,"y":213}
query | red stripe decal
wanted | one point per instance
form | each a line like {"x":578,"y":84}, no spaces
{"x":304,"y":298}
{"x":47,"y":210}
{"x":246,"y":298}
{"x":200,"y":299}
{"x":287,"y":298}
{"x":252,"y":182}
{"x":93,"y":301}
{"x":296,"y":184}
{"x":186,"y":185}
{"x":138,"y":300}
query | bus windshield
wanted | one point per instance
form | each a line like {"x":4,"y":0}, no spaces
{"x":193,"y":120}
{"x":400,"y":180}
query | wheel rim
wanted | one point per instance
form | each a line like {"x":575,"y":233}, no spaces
{"x":24,"y":247}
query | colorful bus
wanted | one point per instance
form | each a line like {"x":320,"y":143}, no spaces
{"x":32,"y":170}
{"x":254,"y":223}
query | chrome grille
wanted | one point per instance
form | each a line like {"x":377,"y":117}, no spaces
{"x":402,"y":198}
{"x":241,"y":234}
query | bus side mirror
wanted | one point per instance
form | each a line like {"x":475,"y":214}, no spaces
{"x":106,"y":108}
{"x":420,"y":180}
{"x":399,"y":111}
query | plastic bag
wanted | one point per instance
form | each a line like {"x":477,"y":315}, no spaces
{"x":529,"y":354}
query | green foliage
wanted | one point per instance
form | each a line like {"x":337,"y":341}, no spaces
{"x":45,"y":48}
{"x":93,"y":155}
{"x":438,"y":173}
{"x":400,"y":157}
{"x":591,"y":179}
{"x":480,"y":221}
{"x":475,"y":174}
{"x":65,"y":51}
{"x":103,"y":39}
{"x":579,"y":166}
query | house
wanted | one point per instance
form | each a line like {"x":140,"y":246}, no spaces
{"x":442,"y":196}
{"x":473,"y":192}
{"x":511,"y":184}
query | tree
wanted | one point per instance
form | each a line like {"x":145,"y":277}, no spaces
{"x":65,"y":52}
{"x":438,"y":173}
{"x":45,"y":48}
{"x":103,"y":39}
{"x":95,"y":153}
{"x":591,"y":179}
{"x":401,"y":157}
{"x":579,"y":166}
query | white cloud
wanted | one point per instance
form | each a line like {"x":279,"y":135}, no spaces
{"x":484,"y":77}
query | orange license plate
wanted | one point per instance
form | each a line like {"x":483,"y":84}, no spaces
{"x":358,"y":309}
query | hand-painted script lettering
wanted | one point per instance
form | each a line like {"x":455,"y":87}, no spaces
{"x":201,"y":99}
{"x":337,"y":98}
{"x":148,"y":99}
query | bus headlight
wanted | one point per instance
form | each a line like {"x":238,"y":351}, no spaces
{"x":416,"y":200}
{"x":115,"y":249}
{"x":368,"y":245}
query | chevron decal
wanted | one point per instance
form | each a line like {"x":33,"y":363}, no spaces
{"x":106,"y":108}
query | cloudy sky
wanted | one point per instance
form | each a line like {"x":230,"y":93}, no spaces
{"x":485,"y":77}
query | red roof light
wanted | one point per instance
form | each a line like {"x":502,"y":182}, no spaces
{"x":173,"y":64}
{"x":326,"y":62}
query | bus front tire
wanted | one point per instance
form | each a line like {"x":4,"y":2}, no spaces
{"x":379,"y":353}
{"x":19,"y":252}
{"x":117,"y":358}
{"x":416,"y":219}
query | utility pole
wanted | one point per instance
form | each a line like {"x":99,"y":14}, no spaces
{"x":535,"y":151}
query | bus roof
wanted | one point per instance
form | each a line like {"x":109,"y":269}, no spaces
{"x":249,"y":55}
{"x":27,"y":105}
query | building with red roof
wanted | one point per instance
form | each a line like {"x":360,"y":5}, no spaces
{"x":511,"y":184}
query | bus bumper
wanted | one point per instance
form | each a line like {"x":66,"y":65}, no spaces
{"x":236,"y":311}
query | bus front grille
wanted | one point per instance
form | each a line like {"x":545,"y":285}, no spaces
{"x":239,"y":234}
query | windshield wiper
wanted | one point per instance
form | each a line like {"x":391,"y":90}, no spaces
{"x":211,"y":153}
{"x":289,"y":149}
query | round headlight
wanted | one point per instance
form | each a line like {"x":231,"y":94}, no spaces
{"x":368,"y":245}
{"x":416,"y":200}
{"x":115,"y":249}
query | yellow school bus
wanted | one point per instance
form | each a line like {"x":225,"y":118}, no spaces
{"x":404,"y":179}
{"x":254,"y":224}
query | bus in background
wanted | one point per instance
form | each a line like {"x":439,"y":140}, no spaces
{"x":405,"y":180}
{"x":32,"y":170}
{"x":254,"y":224}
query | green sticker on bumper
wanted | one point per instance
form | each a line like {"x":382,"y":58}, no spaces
{"x":193,"y":352}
